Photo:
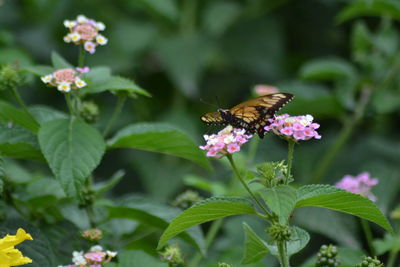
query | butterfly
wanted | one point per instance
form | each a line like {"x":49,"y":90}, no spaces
{"x":251,"y":115}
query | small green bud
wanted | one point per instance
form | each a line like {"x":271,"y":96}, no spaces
{"x":370,"y":262}
{"x":187,"y":199}
{"x":9,"y":77}
{"x":279,"y":232}
{"x":326,"y":257}
{"x":172,"y":254}
{"x":272,"y":174}
{"x":89,"y":111}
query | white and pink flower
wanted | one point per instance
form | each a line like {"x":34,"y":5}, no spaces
{"x":64,"y":80}
{"x":296,"y":128}
{"x":227,"y":141}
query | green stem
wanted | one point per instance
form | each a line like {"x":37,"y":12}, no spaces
{"x":116,"y":112}
{"x":188,"y":19}
{"x":368,"y":235}
{"x":229,"y":156}
{"x":81,"y":59}
{"x":89,"y":202}
{"x":211,"y":234}
{"x":283,"y":258}
{"x":343,"y":136}
{"x":21,"y":102}
{"x":291,"y":144}
{"x":392,"y":257}
{"x":69,"y":104}
{"x":253,"y":149}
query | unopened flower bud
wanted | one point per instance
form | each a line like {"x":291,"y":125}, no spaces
{"x":187,"y":199}
{"x":272,"y":174}
{"x":92,"y":234}
{"x":9,"y":77}
{"x":172,"y":254}
{"x":279,"y":232}
{"x":370,"y":262}
{"x":327,"y":257}
{"x":89,"y":111}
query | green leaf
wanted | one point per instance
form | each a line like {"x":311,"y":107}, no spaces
{"x":138,"y":258}
{"x":205,"y":211}
{"x":164,"y":8}
{"x":98,"y":74}
{"x":17,"y":142}
{"x":298,"y":240}
{"x":388,"y":243}
{"x":255,"y":247}
{"x":2,"y":176}
{"x":39,"y":70}
{"x":159,"y":137}
{"x":156,"y":215}
{"x":117,"y":84}
{"x":219,"y":15}
{"x":73,"y":149}
{"x":104,"y":187}
{"x":379,"y":8}
{"x":327,"y":69}
{"x":330,"y":197}
{"x":59,"y":62}
{"x":44,"y":113}
{"x":281,"y":200}
{"x":12,"y":115}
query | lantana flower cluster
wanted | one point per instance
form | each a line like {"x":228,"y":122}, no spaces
{"x":360,"y":184}
{"x":95,"y":257}
{"x":65,"y":79}
{"x":10,"y":256}
{"x":85,"y":31}
{"x":227,"y":141}
{"x":296,"y":128}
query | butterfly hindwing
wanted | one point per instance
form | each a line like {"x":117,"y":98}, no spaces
{"x":251,"y":115}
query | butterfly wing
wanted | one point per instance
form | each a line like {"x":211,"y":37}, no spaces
{"x":213,"y":118}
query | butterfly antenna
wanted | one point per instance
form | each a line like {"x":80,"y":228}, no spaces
{"x":207,"y":103}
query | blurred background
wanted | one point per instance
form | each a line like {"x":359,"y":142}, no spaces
{"x":339,"y":58}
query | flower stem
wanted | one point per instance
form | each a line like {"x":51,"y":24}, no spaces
{"x":343,"y":136}
{"x":291,"y":144}
{"x":211,"y":234}
{"x":282,"y":251}
{"x":69,"y":104}
{"x":81,"y":59}
{"x":392,"y":257}
{"x":368,"y":235}
{"x":229,"y":156}
{"x":21,"y":102}
{"x":116,"y":112}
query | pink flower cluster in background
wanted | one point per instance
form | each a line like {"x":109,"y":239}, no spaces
{"x":294,"y":127}
{"x":360,"y":184}
{"x":85,"y":31}
{"x":64,"y":80}
{"x":263,"y":89}
{"x":227,"y":141}
{"x":96,"y":257}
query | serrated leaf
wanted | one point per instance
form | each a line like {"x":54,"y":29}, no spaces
{"x":39,"y":70}
{"x":17,"y":142}
{"x":11,"y":115}
{"x":73,"y":149}
{"x":281,"y":200}
{"x":334,"y":198}
{"x":59,"y":62}
{"x":161,"y":138}
{"x":389,"y":8}
{"x":255,"y":247}
{"x":155,"y":215}
{"x":298,"y":240}
{"x":117,"y":84}
{"x":138,"y":258}
{"x":205,"y":211}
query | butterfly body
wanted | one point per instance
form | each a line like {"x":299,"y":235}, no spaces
{"x":251,"y":115}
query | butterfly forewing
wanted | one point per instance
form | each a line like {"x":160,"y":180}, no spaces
{"x":212,"y":118}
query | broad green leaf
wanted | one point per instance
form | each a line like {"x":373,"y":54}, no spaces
{"x":138,"y":258}
{"x":281,"y":200}
{"x":45,"y":113}
{"x":330,"y":197}
{"x":39,"y":70}
{"x":205,"y":211}
{"x":378,"y":8}
{"x":17,"y":142}
{"x":98,"y":74}
{"x":255,"y":247}
{"x":117,"y":84}
{"x":12,"y":55}
{"x":298,"y":240}
{"x":73,"y":149}
{"x":327,"y":69}
{"x":104,"y":187}
{"x":156,"y":215}
{"x":161,"y":138}
{"x":361,"y":39}
{"x":79,"y":217}
{"x":59,"y":62}
{"x":11,"y":115}
{"x":219,"y":15}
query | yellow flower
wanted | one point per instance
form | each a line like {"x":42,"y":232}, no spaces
{"x":10,"y":256}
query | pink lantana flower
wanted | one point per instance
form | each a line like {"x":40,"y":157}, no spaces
{"x":293,"y":127}
{"x":85,"y":31}
{"x":95,"y":257}
{"x":263,"y":89}
{"x":64,"y":80}
{"x":227,"y":141}
{"x":360,"y":184}
{"x":83,"y":70}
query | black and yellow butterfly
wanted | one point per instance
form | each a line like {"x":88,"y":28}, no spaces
{"x":251,"y":115}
